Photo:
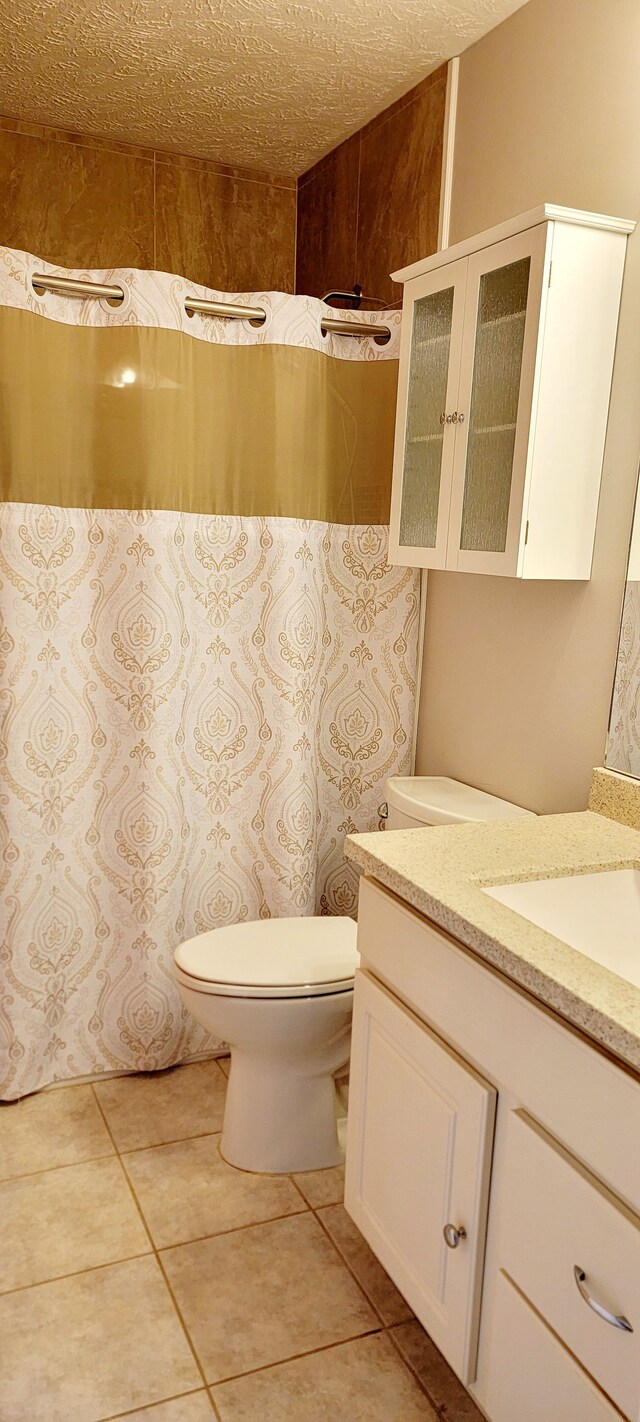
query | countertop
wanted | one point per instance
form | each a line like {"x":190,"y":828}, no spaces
{"x":440,"y":871}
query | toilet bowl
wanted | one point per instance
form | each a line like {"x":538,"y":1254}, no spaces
{"x":280,"y":992}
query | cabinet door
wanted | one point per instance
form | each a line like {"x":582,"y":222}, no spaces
{"x":425,"y":429}
{"x":503,"y":319}
{"x":418,"y":1157}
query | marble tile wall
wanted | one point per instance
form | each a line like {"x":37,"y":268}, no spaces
{"x":85,"y":202}
{"x":372,"y":204}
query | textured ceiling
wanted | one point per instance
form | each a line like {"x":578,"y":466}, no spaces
{"x":263,"y":83}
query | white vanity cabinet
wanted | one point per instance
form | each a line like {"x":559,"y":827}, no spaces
{"x":471,"y":1106}
{"x":505,"y":374}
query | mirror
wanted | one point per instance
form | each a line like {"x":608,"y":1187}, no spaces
{"x":623,"y":743}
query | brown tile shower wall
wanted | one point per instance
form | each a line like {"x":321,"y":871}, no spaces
{"x":84,"y":202}
{"x":372,"y":204}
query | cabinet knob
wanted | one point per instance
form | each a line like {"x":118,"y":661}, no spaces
{"x":442,"y":418}
{"x":616,"y":1319}
{"x":453,"y":1235}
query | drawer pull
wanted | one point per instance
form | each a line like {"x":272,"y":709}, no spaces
{"x":617,"y":1320}
{"x":452,"y":1236}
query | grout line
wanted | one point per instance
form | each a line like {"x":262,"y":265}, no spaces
{"x":181,"y":1318}
{"x":212,"y":1403}
{"x":235,"y":1229}
{"x":49,"y":1169}
{"x":300,"y":1192}
{"x":348,"y":1266}
{"x":75,"y":1273}
{"x":156,"y":1254}
{"x":71,"y":138}
{"x":94,"y":143}
{"x":155,"y":215}
{"x":308,"y":1353}
{"x":413,"y":1369}
{"x":177,"y":1140}
{"x":160,"y":1402}
{"x":210,"y":167}
{"x":357,"y":212}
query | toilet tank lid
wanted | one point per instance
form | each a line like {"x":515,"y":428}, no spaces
{"x":437,"y":800}
{"x":274,"y":953}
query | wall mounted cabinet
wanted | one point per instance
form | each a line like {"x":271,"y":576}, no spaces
{"x":506,"y":361}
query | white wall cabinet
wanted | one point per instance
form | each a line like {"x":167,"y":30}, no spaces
{"x":443,"y":1048}
{"x":506,"y":360}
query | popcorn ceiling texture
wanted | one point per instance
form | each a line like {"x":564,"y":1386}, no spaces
{"x":262,"y":83}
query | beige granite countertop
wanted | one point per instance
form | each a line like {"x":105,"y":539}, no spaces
{"x":441,"y":872}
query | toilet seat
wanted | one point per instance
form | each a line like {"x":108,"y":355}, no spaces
{"x":275,"y":957}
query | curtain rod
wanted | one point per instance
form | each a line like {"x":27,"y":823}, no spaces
{"x":74,"y":286}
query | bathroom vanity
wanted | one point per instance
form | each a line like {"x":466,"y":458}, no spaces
{"x":493,"y":1160}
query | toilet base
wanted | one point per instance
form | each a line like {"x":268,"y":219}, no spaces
{"x":277,"y":1122}
{"x":280,"y":1113}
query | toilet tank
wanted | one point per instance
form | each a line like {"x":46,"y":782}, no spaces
{"x":417,"y":800}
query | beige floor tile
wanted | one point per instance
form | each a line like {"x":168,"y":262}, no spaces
{"x":62,"y":1221}
{"x":448,"y":1395}
{"x":322,"y":1187}
{"x":51,"y":1128}
{"x":194,"y":1408}
{"x":370,"y":1274}
{"x":164,"y":1106}
{"x":264,"y":1294}
{"x":186,"y":1191}
{"x":82,"y":1349}
{"x":364,"y":1381}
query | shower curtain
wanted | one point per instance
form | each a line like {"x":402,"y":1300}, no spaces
{"x":207,"y":667}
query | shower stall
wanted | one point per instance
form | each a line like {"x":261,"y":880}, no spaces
{"x":207,"y":666}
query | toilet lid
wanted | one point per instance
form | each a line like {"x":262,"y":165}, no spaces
{"x":274,"y":957}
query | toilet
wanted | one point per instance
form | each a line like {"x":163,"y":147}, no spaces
{"x":280,"y":992}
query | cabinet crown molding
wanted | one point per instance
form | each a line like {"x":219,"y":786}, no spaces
{"x":546,"y":212}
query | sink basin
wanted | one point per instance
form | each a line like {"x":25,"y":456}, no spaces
{"x":599,"y":914}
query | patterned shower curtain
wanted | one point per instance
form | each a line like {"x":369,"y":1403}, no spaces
{"x":207,"y":665}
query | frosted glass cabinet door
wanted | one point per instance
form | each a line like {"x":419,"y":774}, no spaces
{"x":502,"y":318}
{"x":425,"y":433}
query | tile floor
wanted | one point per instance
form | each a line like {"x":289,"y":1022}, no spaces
{"x":144,"y":1279}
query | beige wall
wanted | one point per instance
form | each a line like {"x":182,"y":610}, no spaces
{"x":517,"y":678}
{"x":88,"y":202}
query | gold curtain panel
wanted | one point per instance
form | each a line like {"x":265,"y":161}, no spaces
{"x":146,"y":418}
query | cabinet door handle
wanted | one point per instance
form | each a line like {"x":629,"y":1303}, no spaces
{"x":617,"y":1320}
{"x":442,"y":418}
{"x":460,"y":419}
{"x":453,"y":1235}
